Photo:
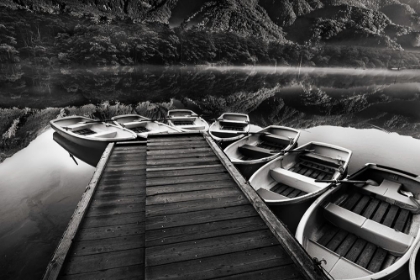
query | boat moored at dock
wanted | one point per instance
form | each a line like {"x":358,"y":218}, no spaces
{"x":186,"y":120}
{"x":230,"y":127}
{"x":143,"y":126}
{"x":292,"y":178}
{"x":367,"y":226}
{"x":251,"y":152}
{"x":90,"y":133}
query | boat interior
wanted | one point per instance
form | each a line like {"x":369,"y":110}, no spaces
{"x":229,"y":124}
{"x":362,"y":229}
{"x":293,"y":175}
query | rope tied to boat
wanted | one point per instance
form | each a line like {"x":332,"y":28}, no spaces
{"x":318,"y":263}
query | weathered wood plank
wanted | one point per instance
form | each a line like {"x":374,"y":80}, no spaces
{"x":377,"y":260}
{"x":195,"y":205}
{"x":361,"y":204}
{"x":120,"y":190}
{"x":113,"y":220}
{"x":390,"y":216}
{"x":125,"y":168}
{"x":119,"y":273}
{"x":189,"y":142}
{"x":179,"y":151}
{"x":199,"y":144}
{"x":366,"y":255}
{"x":55,"y":265}
{"x":155,"y":162}
{"x":283,"y":272}
{"x":351,"y":201}
{"x":215,"y":267}
{"x":110,"y":201}
{"x":194,"y":195}
{"x":182,"y":165}
{"x":187,"y":179}
{"x":401,"y":220}
{"x":379,"y":214}
{"x":193,"y":153}
{"x":123,"y":174}
{"x":115,"y":209}
{"x":187,"y":187}
{"x":199,"y":217}
{"x":190,"y":250}
{"x":356,"y":249}
{"x":201,"y":231}
{"x":336,"y":240}
{"x":346,"y":244}
{"x":288,"y":242}
{"x":110,"y":231}
{"x":175,"y":138}
{"x":217,"y":168}
{"x":329,"y":232}
{"x":100,"y":246}
{"x":123,"y":179}
{"x":370,"y":209}
{"x":100,"y":262}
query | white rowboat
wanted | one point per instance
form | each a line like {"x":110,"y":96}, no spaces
{"x":90,"y":133}
{"x":230,"y":127}
{"x":186,"y":120}
{"x":290,"y":179}
{"x":364,"y":230}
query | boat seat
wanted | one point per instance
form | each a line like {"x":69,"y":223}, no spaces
{"x":322,"y":159}
{"x":269,"y":196}
{"x":225,"y":133}
{"x":192,"y":127}
{"x":133,"y":124}
{"x":389,"y":192}
{"x":233,"y":123}
{"x":385,"y":237}
{"x":273,"y":138}
{"x":77,"y":126}
{"x":296,"y":180}
{"x":104,"y":134}
{"x":254,"y":152}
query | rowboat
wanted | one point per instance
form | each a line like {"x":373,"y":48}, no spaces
{"x":229,"y":127}
{"x":251,"y":152}
{"x":367,"y":226}
{"x":186,"y":120}
{"x":414,"y":265}
{"x":291,"y":179}
{"x":142,"y":126}
{"x":90,"y":133}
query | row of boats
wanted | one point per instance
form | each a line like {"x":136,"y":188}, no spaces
{"x":362,"y":226}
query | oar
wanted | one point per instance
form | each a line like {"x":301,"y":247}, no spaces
{"x":367,"y":182}
{"x":75,"y":161}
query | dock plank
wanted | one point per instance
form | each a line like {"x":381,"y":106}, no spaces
{"x":195,"y":205}
{"x":199,"y":217}
{"x":207,"y":153}
{"x":119,"y":273}
{"x":110,"y":231}
{"x":187,"y":179}
{"x":113,"y":220}
{"x":193,"y":195}
{"x":209,"y":247}
{"x":100,"y":262}
{"x":217,"y":168}
{"x":216,"y":266}
{"x":200,"y":231}
{"x":187,"y":187}
{"x":113,"y":244}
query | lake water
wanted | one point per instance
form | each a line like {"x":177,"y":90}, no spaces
{"x":41,"y":186}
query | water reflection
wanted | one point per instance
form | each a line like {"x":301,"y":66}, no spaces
{"x":40,"y":187}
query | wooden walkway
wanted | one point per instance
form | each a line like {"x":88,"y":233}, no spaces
{"x":174,"y":209}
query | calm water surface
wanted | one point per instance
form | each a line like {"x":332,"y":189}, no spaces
{"x":39,"y":189}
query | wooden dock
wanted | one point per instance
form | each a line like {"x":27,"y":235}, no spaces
{"x":175,"y":208}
